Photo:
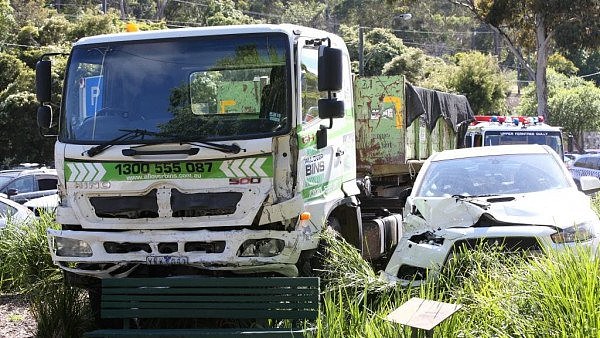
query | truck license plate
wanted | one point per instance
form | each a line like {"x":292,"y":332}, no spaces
{"x":166,"y":260}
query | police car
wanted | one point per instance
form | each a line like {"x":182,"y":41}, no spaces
{"x":585,"y":165}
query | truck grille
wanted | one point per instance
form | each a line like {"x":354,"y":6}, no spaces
{"x":131,"y":207}
{"x":504,"y":244}
{"x":204,"y":204}
{"x":182,"y":205}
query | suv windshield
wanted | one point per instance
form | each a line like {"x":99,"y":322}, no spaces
{"x":493,"y":175}
{"x":207,"y":88}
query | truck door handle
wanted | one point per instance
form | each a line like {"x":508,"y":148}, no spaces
{"x":339,"y":153}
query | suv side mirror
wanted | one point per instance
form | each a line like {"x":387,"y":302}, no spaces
{"x":12,"y":192}
{"x":589,"y":184}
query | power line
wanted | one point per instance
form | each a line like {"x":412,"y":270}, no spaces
{"x":588,"y":75}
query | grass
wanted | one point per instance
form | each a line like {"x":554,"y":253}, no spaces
{"x":26,"y":268}
{"x":557,"y":294}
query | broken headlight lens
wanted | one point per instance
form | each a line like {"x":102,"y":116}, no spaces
{"x":266,"y":247}
{"x":577,"y":233}
{"x":69,"y":247}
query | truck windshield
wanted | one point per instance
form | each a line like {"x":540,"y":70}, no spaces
{"x":196,"y":88}
{"x":553,"y":139}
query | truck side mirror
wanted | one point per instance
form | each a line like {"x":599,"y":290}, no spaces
{"x":330,"y":69}
{"x":330,"y":80}
{"x":44,"y":116}
{"x":331,"y":108}
{"x":43,"y":81}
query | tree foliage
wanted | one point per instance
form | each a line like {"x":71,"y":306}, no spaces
{"x":534,"y":26}
{"x":478,"y":77}
{"x":574,"y":104}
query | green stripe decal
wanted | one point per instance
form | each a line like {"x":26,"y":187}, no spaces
{"x":138,"y":171}
{"x":317,"y":191}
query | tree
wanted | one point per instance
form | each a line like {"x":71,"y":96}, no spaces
{"x":7,"y":20}
{"x":410,"y":64}
{"x":576,"y":110}
{"x":20,"y":137}
{"x":479,"y":78}
{"x":574,"y":104}
{"x":568,"y":24}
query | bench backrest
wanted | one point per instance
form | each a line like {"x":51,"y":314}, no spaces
{"x":231,"y":297}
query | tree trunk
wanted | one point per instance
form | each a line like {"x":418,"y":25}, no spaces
{"x":160,"y":9}
{"x":541,"y":86}
{"x":123,"y":14}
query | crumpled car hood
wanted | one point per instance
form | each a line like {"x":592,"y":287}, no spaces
{"x":559,"y":208}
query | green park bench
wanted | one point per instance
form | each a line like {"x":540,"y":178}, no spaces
{"x":258,"y":303}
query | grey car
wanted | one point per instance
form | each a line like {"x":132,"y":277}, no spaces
{"x":22,"y":185}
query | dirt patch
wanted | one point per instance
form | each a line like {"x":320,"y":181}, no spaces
{"x":16,"y":320}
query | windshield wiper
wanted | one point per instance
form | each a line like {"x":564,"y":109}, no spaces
{"x":134,"y":133}
{"x":128,"y":135}
{"x":473,"y":199}
{"x":226,"y":148}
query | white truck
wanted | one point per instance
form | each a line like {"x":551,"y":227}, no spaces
{"x":228,"y":150}
{"x":499,"y":130}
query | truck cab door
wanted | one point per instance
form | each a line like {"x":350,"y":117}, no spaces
{"x":321,"y":172}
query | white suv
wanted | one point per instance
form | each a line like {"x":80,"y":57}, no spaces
{"x":520,"y":198}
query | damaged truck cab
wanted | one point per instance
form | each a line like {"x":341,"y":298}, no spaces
{"x":227,"y":150}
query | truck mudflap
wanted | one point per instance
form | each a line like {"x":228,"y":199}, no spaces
{"x":117,"y":254}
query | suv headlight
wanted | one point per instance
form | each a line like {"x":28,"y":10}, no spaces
{"x":577,"y":233}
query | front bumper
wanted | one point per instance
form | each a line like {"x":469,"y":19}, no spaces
{"x":189,"y":247}
{"x":416,"y":261}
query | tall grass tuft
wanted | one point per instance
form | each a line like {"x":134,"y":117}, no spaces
{"x":503,"y":295}
{"x":345,"y":268}
{"x":60,"y":310}
{"x":26,"y":267}
{"x":563,"y":291}
{"x":24,"y":256}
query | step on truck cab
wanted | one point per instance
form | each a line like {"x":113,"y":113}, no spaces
{"x":228,"y":150}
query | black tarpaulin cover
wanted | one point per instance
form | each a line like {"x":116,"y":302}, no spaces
{"x":455,"y":109}
{"x":433,"y":104}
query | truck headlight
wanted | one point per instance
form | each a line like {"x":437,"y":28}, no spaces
{"x":577,"y":233}
{"x":266,"y":247}
{"x":68,"y":247}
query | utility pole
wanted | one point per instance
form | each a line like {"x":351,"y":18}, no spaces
{"x":361,"y":52}
{"x":104,"y":6}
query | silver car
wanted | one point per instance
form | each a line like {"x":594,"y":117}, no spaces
{"x":519,"y":197}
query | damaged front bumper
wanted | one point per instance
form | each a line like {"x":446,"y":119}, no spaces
{"x":117,"y":254}
{"x":419,"y":257}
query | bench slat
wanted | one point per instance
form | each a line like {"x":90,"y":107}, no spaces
{"x":212,"y":281}
{"x":198,"y":333}
{"x":218,"y":298}
{"x":211,"y":305}
{"x":208,"y":291}
{"x":214,"y":313}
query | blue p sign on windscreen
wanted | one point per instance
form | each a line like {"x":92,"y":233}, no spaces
{"x":90,"y":95}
